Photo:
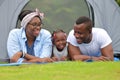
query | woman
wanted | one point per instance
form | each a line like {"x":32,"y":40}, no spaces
{"x":30,"y":43}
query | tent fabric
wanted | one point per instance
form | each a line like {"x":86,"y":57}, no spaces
{"x":107,"y":16}
{"x":9,"y":11}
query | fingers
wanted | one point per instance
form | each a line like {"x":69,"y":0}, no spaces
{"x":50,"y":60}
{"x":55,"y":59}
{"x":64,"y":58}
{"x":101,"y":58}
{"x":47,"y":59}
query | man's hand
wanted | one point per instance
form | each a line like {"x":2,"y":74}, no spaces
{"x":101,"y":58}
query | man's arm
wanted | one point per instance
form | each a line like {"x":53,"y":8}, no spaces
{"x":107,"y":52}
{"x":75,"y":53}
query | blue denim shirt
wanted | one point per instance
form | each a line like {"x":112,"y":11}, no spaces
{"x":16,"y":42}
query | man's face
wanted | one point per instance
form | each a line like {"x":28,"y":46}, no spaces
{"x":81,"y":33}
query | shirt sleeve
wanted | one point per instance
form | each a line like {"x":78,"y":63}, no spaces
{"x":71,"y":38}
{"x":105,"y":39}
{"x":46,"y":46}
{"x":13,"y":45}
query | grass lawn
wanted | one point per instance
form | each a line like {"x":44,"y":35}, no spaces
{"x":62,"y":71}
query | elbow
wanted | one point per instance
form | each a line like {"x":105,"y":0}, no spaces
{"x":75,"y":58}
{"x":13,"y":60}
{"x":15,"y":57}
{"x":112,"y":58}
{"x":71,"y":57}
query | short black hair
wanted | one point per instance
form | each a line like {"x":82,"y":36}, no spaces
{"x":86,"y":20}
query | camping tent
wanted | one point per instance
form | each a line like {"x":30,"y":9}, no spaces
{"x":104,"y":13}
{"x":9,"y":11}
{"x":107,"y":16}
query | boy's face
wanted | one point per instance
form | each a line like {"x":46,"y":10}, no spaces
{"x":60,"y":41}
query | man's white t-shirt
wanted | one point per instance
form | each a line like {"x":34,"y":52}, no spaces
{"x":100,"y":39}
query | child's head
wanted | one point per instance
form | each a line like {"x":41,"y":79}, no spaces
{"x":59,"y":38}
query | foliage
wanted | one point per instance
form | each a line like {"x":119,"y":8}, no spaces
{"x":59,"y":14}
{"x":118,"y":1}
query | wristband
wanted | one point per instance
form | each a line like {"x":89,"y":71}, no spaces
{"x":23,"y":55}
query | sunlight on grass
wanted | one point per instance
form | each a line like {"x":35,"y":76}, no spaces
{"x":62,"y":71}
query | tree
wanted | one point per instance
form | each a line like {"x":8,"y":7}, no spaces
{"x":118,"y":1}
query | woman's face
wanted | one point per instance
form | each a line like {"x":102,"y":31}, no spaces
{"x":60,"y":41}
{"x":33,"y":27}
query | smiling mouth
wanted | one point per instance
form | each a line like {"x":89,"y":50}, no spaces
{"x":79,"y":41}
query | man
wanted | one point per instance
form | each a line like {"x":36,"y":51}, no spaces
{"x":87,"y":43}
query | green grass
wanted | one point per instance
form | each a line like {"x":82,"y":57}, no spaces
{"x":62,"y":71}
